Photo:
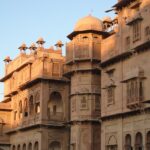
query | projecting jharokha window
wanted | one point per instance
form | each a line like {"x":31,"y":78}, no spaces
{"x":134,"y":91}
{"x":136,"y":31}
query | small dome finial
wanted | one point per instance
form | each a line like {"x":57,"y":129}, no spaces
{"x":23,"y":47}
{"x":40,"y":41}
{"x":7,"y":59}
{"x":32,"y":47}
{"x":59,"y":44}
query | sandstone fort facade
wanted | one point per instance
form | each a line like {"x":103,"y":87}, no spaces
{"x":97,"y":97}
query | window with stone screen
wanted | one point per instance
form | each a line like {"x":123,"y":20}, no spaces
{"x":56,"y":69}
{"x":73,"y":104}
{"x":127,"y":42}
{"x":83,"y":103}
{"x":97,"y":103}
{"x":136,"y":31}
{"x":147,"y":30}
{"x":111,"y":94}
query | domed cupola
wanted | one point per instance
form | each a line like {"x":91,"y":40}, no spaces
{"x":88,"y":24}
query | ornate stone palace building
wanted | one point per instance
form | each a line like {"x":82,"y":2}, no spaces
{"x":97,"y":97}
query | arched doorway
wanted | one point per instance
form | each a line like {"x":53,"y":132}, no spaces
{"x":128,"y":142}
{"x":148,"y":141}
{"x":55,"y":146}
{"x":13,"y":147}
{"x":30,"y":146}
{"x":138,"y":141}
{"x":24,"y":147}
{"x":19,"y":147}
{"x":112,"y":143}
{"x":55,"y":106}
{"x":36,"y":146}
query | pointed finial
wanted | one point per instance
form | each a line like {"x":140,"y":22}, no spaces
{"x":59,"y":44}
{"x":91,"y":12}
{"x":40,"y":41}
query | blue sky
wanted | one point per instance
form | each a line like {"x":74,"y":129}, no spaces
{"x":27,"y":20}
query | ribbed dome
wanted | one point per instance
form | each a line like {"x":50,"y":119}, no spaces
{"x":89,"y":23}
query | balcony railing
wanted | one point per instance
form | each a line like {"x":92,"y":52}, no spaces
{"x":27,"y":121}
{"x":57,"y":116}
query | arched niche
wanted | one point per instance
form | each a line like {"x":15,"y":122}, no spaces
{"x":55,"y":105}
{"x":112,"y":143}
{"x":54,"y":146}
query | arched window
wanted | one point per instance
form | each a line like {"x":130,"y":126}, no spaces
{"x":36,"y":146}
{"x":13,"y":147}
{"x":128,"y":142}
{"x":55,"y":146}
{"x":20,"y":109}
{"x":31,"y":105}
{"x":148,"y":141}
{"x":112,"y":143}
{"x":30,"y":146}
{"x":55,"y":106}
{"x":85,"y":38}
{"x":25,"y":107}
{"x":138,"y":141}
{"x":37,"y":102}
{"x":24,"y":146}
{"x":19,"y":147}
